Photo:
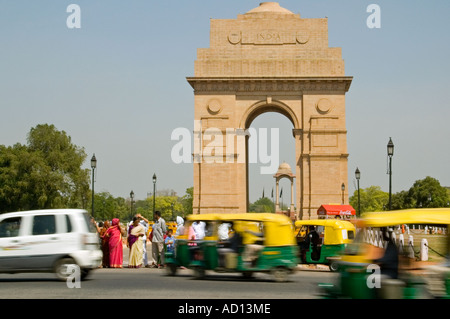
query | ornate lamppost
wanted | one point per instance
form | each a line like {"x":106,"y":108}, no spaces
{"x":131,"y":203}
{"x":390,"y":152}
{"x":93,"y":166}
{"x":154,"y":195}
{"x":358,"y":176}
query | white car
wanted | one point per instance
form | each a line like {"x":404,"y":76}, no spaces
{"x":48,"y":241}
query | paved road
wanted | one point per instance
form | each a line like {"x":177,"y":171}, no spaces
{"x":148,"y":283}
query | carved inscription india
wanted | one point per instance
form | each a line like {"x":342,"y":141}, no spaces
{"x":268,"y":37}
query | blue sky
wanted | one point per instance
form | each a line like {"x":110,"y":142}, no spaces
{"x":117,"y":86}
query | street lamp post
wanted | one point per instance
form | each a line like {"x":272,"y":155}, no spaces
{"x":390,"y":152}
{"x":131,"y":203}
{"x":154,"y":194}
{"x":93,"y":166}
{"x":343,"y":189}
{"x":358,"y":176}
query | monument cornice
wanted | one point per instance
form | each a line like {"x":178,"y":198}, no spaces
{"x":270,"y":84}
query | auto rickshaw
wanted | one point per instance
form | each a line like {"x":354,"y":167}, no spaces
{"x":322,"y":241}
{"x":245,"y":243}
{"x":169,"y":225}
{"x":366,"y":273}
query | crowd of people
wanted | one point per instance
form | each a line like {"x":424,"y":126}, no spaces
{"x":135,"y":236}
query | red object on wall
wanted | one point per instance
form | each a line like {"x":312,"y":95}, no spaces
{"x":336,"y":210}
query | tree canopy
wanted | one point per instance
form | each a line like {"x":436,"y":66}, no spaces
{"x":45,"y":173}
{"x":262,"y":205}
{"x":426,"y":193}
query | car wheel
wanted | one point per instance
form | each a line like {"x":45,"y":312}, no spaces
{"x":84,"y":273}
{"x":62,"y":270}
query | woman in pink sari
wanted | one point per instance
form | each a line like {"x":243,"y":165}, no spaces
{"x":114,"y":233}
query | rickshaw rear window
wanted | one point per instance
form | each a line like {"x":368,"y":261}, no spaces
{"x":351,"y":234}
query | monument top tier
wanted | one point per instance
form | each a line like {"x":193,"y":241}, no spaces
{"x":269,"y":7}
{"x":269,"y":41}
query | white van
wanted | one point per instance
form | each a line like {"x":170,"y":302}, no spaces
{"x":48,"y":241}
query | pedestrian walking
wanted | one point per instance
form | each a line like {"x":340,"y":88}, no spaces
{"x":135,"y":234}
{"x":102,"y":228}
{"x":159,"y":229}
{"x":114,"y":234}
{"x":145,"y":223}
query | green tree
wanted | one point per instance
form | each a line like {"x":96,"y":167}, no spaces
{"x":45,"y":173}
{"x":400,"y":200}
{"x":428,"y":193}
{"x":169,"y":206}
{"x":262,"y":205}
{"x":372,"y":199}
{"x":108,"y":207}
{"x":187,"y":201}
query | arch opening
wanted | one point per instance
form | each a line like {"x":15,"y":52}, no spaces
{"x":262,"y":188}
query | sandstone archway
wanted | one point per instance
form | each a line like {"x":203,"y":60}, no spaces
{"x":270,"y":60}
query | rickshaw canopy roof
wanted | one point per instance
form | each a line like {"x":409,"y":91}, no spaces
{"x":440,"y":216}
{"x":261,"y":217}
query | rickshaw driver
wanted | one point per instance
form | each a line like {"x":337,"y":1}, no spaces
{"x":389,"y":262}
{"x":253,"y":245}
{"x":224,"y":245}
{"x":311,"y":237}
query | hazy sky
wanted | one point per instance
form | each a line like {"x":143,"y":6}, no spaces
{"x":118,"y":84}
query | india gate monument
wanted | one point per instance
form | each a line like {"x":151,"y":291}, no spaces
{"x":269,"y":60}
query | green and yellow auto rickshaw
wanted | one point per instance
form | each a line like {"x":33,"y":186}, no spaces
{"x":245,"y":243}
{"x":379,"y":266}
{"x":322,"y":241}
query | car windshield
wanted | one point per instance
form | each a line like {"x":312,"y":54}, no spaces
{"x":89,"y":225}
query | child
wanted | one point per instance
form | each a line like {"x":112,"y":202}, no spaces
{"x":170,"y":241}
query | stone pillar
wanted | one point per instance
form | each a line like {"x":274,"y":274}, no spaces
{"x":424,"y":250}
{"x":277,"y":200}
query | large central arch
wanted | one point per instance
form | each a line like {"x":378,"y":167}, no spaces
{"x":265,"y":106}
{"x":270,"y":60}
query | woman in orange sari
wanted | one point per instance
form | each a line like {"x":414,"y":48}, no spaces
{"x":105,"y":245}
{"x":114,"y":234}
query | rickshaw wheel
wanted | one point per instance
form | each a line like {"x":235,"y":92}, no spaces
{"x":199,"y":272}
{"x":247,"y":274}
{"x":334,"y":266}
{"x":171,"y":269}
{"x":280,"y":274}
